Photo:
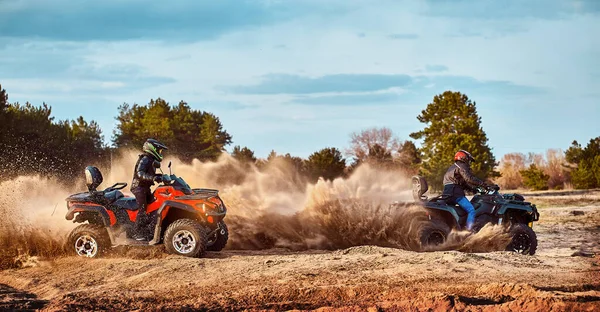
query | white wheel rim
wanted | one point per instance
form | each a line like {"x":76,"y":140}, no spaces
{"x":86,"y":246}
{"x":184,"y":242}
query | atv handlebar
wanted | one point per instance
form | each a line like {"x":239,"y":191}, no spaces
{"x":166,"y":179}
{"x":489,"y":189}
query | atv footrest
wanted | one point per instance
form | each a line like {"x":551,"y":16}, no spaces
{"x":133,"y":242}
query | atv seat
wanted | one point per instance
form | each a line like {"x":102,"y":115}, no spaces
{"x":127,"y":203}
{"x":113,"y":196}
{"x":440,"y":199}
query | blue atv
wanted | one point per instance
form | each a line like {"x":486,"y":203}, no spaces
{"x":510,"y":210}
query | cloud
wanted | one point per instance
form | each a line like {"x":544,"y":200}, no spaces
{"x":65,"y":66}
{"x":369,"y":89}
{"x":135,"y":19}
{"x":471,"y":85}
{"x":403,"y":36}
{"x":436,"y":68}
{"x":505,"y":10}
{"x":348,"y":99}
{"x":294,"y":84}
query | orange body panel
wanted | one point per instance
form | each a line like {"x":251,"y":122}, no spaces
{"x":132,"y":215}
{"x":111,"y":215}
{"x":164,"y":193}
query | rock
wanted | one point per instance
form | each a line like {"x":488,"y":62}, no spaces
{"x":582,"y":253}
{"x":577,"y":213}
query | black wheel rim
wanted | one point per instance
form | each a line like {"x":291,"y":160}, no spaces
{"x":521,"y":243}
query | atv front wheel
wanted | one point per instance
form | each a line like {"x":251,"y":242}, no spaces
{"x":89,"y":240}
{"x":186,"y":237}
{"x":219,"y":240}
{"x":523,"y":240}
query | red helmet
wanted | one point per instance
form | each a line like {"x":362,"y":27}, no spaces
{"x":463,"y":156}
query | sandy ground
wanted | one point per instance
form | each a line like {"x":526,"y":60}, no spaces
{"x":563,"y":276}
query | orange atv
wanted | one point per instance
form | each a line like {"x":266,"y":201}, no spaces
{"x":188,"y":221}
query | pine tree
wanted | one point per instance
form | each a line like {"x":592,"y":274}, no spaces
{"x":244,"y":155}
{"x":327,"y":163}
{"x":452,"y":123}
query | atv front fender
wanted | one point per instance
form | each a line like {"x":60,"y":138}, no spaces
{"x":528,"y":208}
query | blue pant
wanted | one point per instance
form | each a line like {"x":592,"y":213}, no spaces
{"x":468,"y":207}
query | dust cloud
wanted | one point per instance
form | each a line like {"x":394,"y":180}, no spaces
{"x":274,"y":207}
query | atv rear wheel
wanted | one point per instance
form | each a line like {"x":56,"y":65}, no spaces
{"x":523,"y":239}
{"x":219,"y":240}
{"x":432,"y":233}
{"x":89,"y":240}
{"x":186,"y":237}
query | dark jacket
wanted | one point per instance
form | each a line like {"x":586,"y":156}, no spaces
{"x":459,"y":178}
{"x":144,"y":173}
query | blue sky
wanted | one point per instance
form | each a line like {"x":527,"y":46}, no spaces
{"x":298,"y":76}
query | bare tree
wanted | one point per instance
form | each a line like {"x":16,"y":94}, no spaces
{"x":559,"y":176}
{"x":365,"y":140}
{"x":510,"y":167}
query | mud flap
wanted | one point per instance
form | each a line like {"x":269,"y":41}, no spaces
{"x":157,"y":229}
{"x":111,"y":236}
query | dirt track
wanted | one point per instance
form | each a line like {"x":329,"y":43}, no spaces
{"x":564,"y":275}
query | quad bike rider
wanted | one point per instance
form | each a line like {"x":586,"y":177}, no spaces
{"x":459,"y":178}
{"x":443,"y":213}
{"x":144,"y":176}
{"x":187,"y":221}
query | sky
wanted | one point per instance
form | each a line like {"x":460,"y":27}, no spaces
{"x":299,"y":76}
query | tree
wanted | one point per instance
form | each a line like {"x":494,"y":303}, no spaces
{"x":510,"y":169}
{"x":243,"y":155}
{"x":327,"y":163}
{"x":32,"y":142}
{"x":3,"y":100}
{"x":188,"y":133}
{"x":452,"y":124}
{"x":379,"y":157}
{"x":586,"y":174}
{"x":3,"y":108}
{"x":535,"y":178}
{"x":362,"y":142}
{"x":409,"y":158}
{"x":556,"y":169}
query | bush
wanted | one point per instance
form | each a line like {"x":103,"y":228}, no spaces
{"x":535,"y":178}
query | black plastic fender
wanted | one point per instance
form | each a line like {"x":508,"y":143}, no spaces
{"x":101,"y":211}
{"x":444,"y":209}
{"x":507,"y":207}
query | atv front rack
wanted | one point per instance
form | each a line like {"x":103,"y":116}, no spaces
{"x":200,"y":193}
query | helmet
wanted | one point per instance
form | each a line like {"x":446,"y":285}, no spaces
{"x":464,"y":156}
{"x":154,"y":148}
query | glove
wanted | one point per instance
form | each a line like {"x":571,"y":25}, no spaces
{"x":492,"y":187}
{"x":158,"y":178}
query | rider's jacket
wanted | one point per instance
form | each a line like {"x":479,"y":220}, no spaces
{"x":459,"y":178}
{"x":143,"y":175}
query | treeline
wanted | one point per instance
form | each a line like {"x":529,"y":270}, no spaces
{"x":33,"y":142}
{"x":578,"y":167}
